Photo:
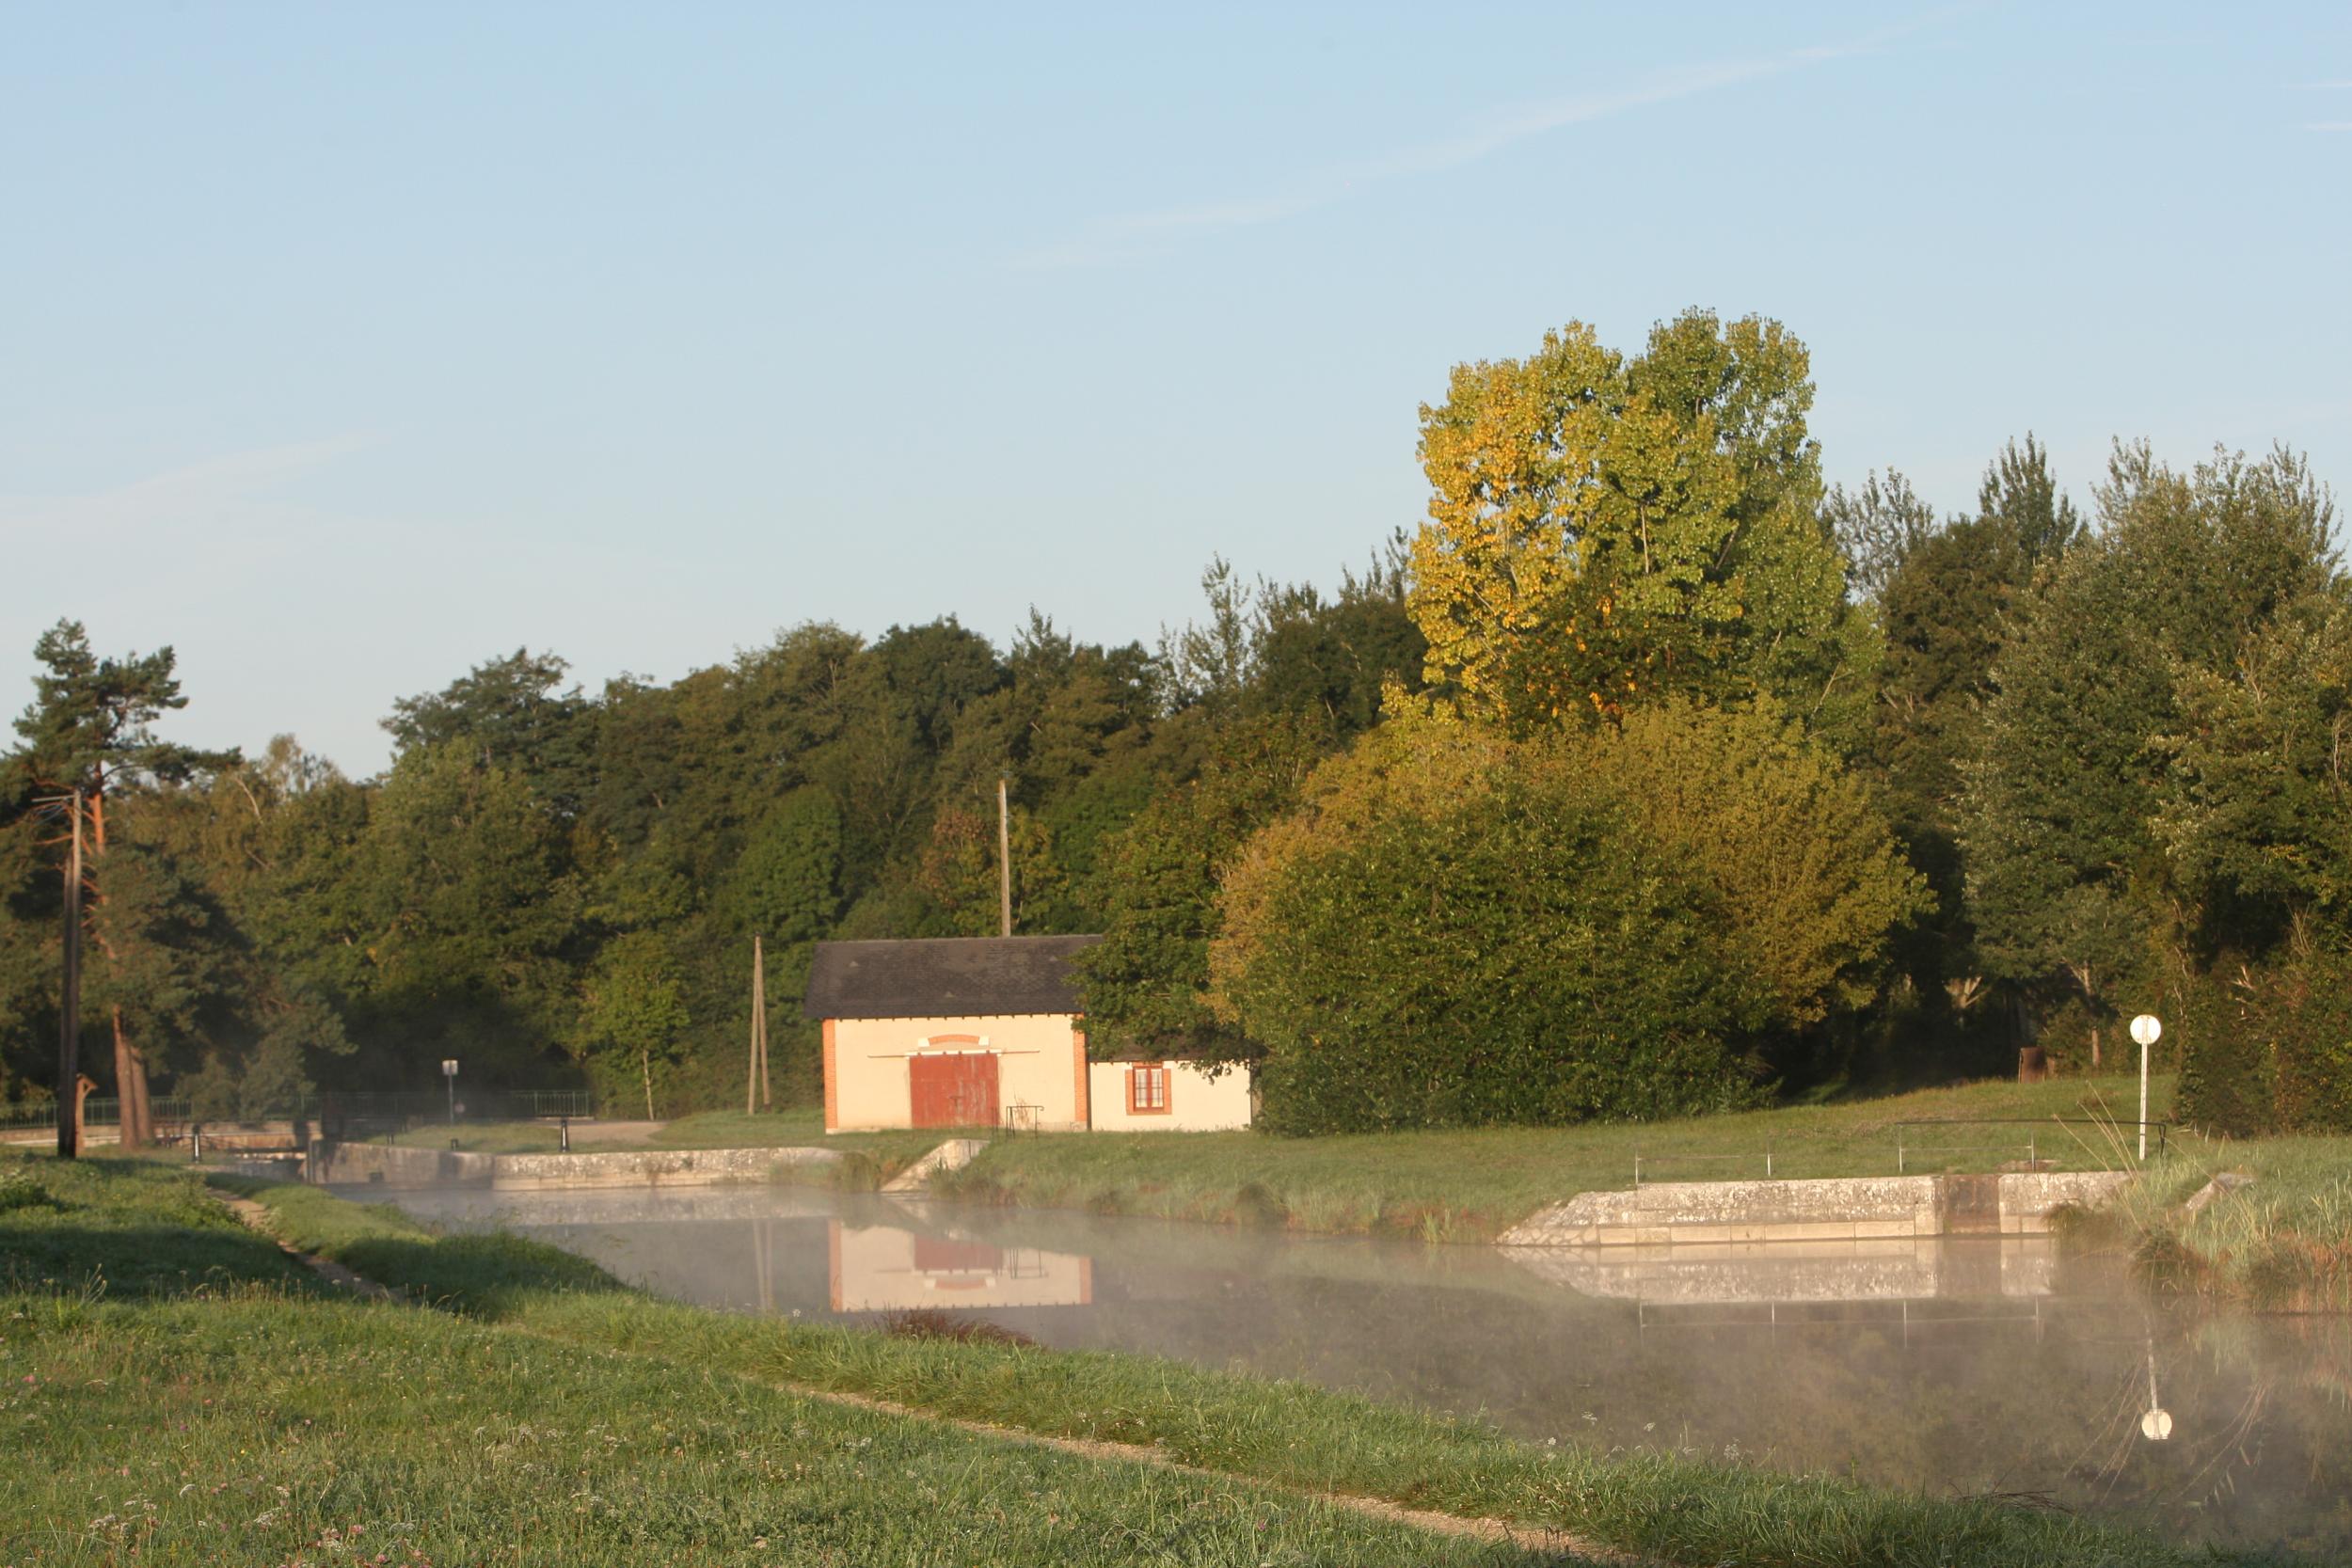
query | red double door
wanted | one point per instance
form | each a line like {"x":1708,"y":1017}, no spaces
{"x":953,"y":1089}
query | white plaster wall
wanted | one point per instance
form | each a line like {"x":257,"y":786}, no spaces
{"x":1039,"y":1058}
{"x":1196,"y":1101}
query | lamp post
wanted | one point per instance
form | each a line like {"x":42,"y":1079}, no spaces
{"x":2147,"y":1030}
{"x":2157,"y":1424}
{"x":448,"y":1076}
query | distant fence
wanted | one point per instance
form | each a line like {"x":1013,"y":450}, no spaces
{"x":365,"y":1108}
{"x":433,"y":1105}
{"x":2104,"y":1140}
{"x":2036,"y":1142}
{"x":96,"y":1112}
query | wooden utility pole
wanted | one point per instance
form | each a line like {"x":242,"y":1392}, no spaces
{"x":70,"y":1005}
{"x":755,"y":1086}
{"x":1003,"y":859}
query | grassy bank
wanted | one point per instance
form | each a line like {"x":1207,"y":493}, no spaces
{"x":2284,"y":1241}
{"x":219,"y":1406}
{"x":701,"y":1386}
{"x":1474,"y":1184}
{"x":309,"y":1435}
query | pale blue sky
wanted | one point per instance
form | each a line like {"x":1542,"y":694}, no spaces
{"x":347,"y":346}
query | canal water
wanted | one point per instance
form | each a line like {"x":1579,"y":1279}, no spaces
{"x":1952,"y":1368}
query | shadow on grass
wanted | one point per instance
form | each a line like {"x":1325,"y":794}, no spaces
{"x":488,"y":1276}
{"x":136,"y":1262}
{"x":483,"y":1275}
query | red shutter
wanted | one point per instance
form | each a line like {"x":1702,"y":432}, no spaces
{"x":952,"y":1090}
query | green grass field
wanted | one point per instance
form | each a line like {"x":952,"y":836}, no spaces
{"x":213,"y":1404}
{"x":1474,"y":1184}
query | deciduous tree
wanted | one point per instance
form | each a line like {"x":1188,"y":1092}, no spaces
{"x":1456,"y":929}
{"x":633,"y":1014}
{"x":1604,"y":532}
{"x":1147,"y":983}
{"x":1877,"y":527}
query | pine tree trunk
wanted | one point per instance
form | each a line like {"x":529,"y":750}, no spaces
{"x":129,"y":1090}
{"x":2088,"y":979}
{"x":134,"y":1122}
{"x":147,"y":1102}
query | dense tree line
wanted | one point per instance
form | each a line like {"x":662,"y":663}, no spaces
{"x":556,"y":885}
{"x":2022,"y":773}
{"x":1649,"y":774}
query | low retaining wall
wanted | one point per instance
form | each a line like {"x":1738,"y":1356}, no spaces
{"x":1884,"y":1208}
{"x":332,"y":1163}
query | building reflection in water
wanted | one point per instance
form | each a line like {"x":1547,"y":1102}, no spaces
{"x":888,"y":1268}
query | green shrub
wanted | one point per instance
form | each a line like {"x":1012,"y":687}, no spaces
{"x":2269,"y":1050}
{"x":1522,"y":956}
{"x":1460,"y":926}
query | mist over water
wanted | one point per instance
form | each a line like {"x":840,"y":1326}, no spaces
{"x":1951,"y":1368}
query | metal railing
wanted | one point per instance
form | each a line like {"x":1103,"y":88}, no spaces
{"x":96,"y":1112}
{"x":2111,"y":1141}
{"x":2118,"y":1130}
{"x":1749,"y":1160}
{"x":379,"y":1114}
{"x":364,"y":1106}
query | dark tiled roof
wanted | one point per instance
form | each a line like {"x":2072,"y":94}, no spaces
{"x":944,"y":978}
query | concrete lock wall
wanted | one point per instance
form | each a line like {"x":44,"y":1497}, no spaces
{"x":1888,"y":1208}
{"x":1196,"y":1101}
{"x":332,"y":1163}
{"x":1040,"y":1062}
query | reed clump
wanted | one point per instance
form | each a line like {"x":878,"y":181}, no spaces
{"x":2279,"y":1242}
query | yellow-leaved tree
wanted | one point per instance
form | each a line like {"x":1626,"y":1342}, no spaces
{"x":1604,"y":530}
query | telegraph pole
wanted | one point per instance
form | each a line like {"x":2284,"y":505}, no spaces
{"x":755,"y":1082}
{"x":70,"y":1005}
{"x":759,"y":989}
{"x":1003,"y":859}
